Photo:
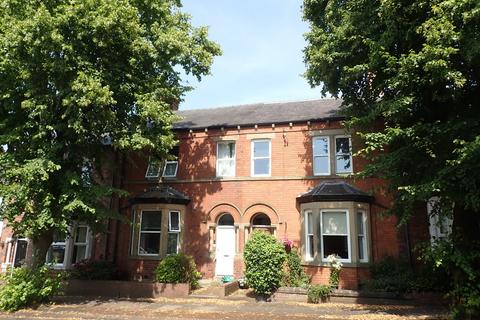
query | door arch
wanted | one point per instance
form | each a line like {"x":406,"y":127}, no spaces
{"x":225,"y":245}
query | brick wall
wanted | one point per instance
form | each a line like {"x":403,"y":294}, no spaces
{"x":243,"y":196}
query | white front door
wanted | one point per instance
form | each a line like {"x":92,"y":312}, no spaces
{"x":225,"y":251}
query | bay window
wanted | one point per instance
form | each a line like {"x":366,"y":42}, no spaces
{"x":335,"y":234}
{"x":150,"y":232}
{"x":309,"y":246}
{"x":362,"y":238}
{"x":156,"y":230}
{"x":173,"y":232}
{"x":67,"y":250}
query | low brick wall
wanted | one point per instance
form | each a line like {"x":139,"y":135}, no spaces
{"x":353,"y":296}
{"x":125,"y":289}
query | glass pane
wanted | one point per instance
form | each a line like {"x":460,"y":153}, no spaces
{"x":320,"y":146}
{"x":226,"y":220}
{"x":344,"y":163}
{"x":335,"y":245}
{"x":310,"y":246}
{"x":56,"y":254}
{"x":149,"y":243}
{"x":261,"y":219}
{"x":334,"y":222}
{"x":172,"y":244}
{"x":81,"y":234}
{"x":174,"y":221}
{"x":262,"y":166}
{"x":361,"y":248}
{"x":342,"y":145}
{"x":153,"y":169}
{"x":360,"y":226}
{"x":226,"y":168}
{"x":226,"y":150}
{"x":170,"y":168}
{"x":151,"y":220}
{"x":261,"y":149}
{"x":309,"y":223}
{"x":321,"y":165}
{"x":79,"y":253}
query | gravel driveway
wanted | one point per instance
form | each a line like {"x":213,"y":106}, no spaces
{"x":195,"y":308}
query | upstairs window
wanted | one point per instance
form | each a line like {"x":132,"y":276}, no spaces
{"x":261,"y":150}
{"x":153,"y":169}
{"x":321,"y":156}
{"x":170,"y":169}
{"x":225,"y":159}
{"x":343,"y":154}
{"x":171,"y":166}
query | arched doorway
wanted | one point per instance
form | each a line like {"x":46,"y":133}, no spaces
{"x":225,"y":245}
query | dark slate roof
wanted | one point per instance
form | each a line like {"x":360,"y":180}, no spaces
{"x":259,"y":113}
{"x":161,"y":194}
{"x":335,"y":191}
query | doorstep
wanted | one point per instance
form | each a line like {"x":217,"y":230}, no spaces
{"x":215,"y":289}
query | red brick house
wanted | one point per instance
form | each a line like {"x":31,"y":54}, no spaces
{"x":281,"y":167}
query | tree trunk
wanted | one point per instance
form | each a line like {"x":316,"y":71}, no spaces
{"x":39,"y":250}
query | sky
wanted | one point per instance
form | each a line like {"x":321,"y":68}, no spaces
{"x":262,"y":61}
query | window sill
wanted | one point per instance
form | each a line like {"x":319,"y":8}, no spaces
{"x":151,"y":257}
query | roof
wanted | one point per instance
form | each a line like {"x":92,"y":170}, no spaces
{"x":161,"y":194}
{"x":259,"y":113}
{"x":335,"y":191}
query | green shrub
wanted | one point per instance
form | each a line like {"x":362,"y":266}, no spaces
{"x":23,"y":287}
{"x":294,"y":275}
{"x":96,"y":270}
{"x":390,"y":275}
{"x":317,"y":293}
{"x":178,"y":268}
{"x":264,"y":257}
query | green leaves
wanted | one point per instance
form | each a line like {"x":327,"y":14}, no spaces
{"x":264,"y":258}
{"x":74,"y":75}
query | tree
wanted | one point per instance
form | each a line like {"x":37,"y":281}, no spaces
{"x":408,"y":73}
{"x":80,"y":80}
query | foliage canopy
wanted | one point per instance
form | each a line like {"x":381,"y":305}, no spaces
{"x":80,"y":80}
{"x":408,"y":73}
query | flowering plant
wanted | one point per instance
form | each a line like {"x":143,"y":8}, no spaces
{"x":336,"y":266}
{"x":287,"y":243}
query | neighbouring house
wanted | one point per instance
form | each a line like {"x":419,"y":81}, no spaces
{"x":284,"y":168}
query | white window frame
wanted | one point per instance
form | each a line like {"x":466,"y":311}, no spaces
{"x":253,"y":158}
{"x":87,"y":243}
{"x":165,"y":168}
{"x":69,"y":244}
{"x":177,"y":232}
{"x":364,"y":235}
{"x":349,"y":243}
{"x":350,"y":153}
{"x":229,"y":159}
{"x":152,"y":163}
{"x":308,"y":216}
{"x":328,"y":156}
{"x":140,"y":235}
{"x":435,"y":229}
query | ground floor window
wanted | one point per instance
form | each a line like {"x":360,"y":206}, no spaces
{"x":342,"y":231}
{"x":67,"y":250}
{"x":156,"y":231}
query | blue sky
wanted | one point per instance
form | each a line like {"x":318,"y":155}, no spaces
{"x":262,"y":59}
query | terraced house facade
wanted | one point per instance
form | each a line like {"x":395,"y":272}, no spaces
{"x":285,"y":168}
